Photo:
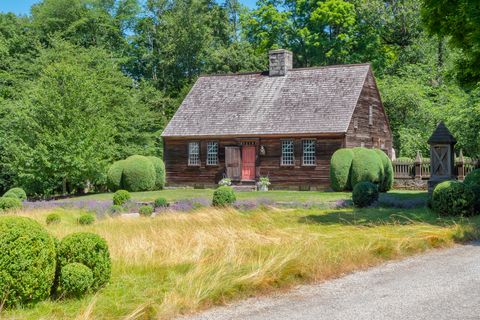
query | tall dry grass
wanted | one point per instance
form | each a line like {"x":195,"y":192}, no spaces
{"x":184,"y":262}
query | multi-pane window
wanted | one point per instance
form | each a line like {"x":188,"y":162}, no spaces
{"x":309,"y":152}
{"x":193,"y":154}
{"x":287,"y":153}
{"x":212,"y":153}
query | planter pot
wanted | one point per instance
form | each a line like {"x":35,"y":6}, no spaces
{"x":262,"y":188}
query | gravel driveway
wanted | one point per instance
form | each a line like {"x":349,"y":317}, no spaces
{"x":442,"y":284}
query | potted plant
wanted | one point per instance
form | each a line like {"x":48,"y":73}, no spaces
{"x":225,"y":182}
{"x":263,"y":183}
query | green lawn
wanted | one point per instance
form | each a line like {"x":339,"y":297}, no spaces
{"x":183,"y":262}
{"x":274,"y":195}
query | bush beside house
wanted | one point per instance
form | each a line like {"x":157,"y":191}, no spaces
{"x":453,"y":198}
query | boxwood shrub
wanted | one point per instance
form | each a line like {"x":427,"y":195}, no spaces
{"x":114,"y":176}
{"x":364,"y":194}
{"x":159,"y":172}
{"x":138,"y":174}
{"x":89,"y":249}
{"x":473,"y":181}
{"x":366,"y":166}
{"x":10,"y":203}
{"x":86,"y":219}
{"x":223,"y":196}
{"x":145,"y":211}
{"x":53,"y":218}
{"x":453,"y":198}
{"x":18,"y":193}
{"x":388,"y":176}
{"x":340,"y":165}
{"x":161,"y":202}
{"x":120,"y":197}
{"x":75,"y":280}
{"x":27,"y":262}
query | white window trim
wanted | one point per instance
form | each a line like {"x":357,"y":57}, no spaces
{"x":312,"y":155}
{"x":282,"y":158}
{"x":370,"y":115}
{"x":191,"y":154}
{"x":210,"y":153}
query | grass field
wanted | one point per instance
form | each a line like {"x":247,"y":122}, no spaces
{"x":184,"y":262}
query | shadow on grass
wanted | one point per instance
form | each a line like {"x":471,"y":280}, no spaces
{"x":370,"y":217}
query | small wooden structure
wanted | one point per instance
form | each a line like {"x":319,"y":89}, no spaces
{"x":442,"y":156}
{"x":284,"y":123}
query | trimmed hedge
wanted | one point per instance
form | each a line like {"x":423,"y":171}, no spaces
{"x":89,"y":249}
{"x":223,"y":196}
{"x":145,"y":211}
{"x":120,"y":197}
{"x":364,"y":194}
{"x":473,"y":181}
{"x":53,"y":218}
{"x":388,"y":175}
{"x":340,"y":165}
{"x":86,"y":219}
{"x":75,"y":280}
{"x":18,"y":193}
{"x":453,"y":198}
{"x":159,"y":167}
{"x":114,"y":176}
{"x":10,"y":203}
{"x":27,"y":262}
{"x":138,"y":174}
{"x":366,"y":166}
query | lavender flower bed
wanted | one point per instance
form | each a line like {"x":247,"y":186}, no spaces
{"x":387,"y":200}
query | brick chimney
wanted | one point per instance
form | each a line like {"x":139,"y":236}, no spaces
{"x":281,"y":61}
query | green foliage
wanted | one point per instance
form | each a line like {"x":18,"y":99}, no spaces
{"x":10,"y":203}
{"x":75,"y":280}
{"x":138,"y":174}
{"x":453,"y":198}
{"x":86,"y":219}
{"x":145,"y":210}
{"x":340,"y":165}
{"x":223,"y":196}
{"x":115,"y":209}
{"x":473,"y":181}
{"x":364,"y":194}
{"x":16,"y":192}
{"x":114,"y":175}
{"x":161,"y":202}
{"x":159,"y":172}
{"x":53,"y":218}
{"x":90,"y":250}
{"x":120,"y":197}
{"x":388,"y":174}
{"x":366,"y":166}
{"x":27,"y":262}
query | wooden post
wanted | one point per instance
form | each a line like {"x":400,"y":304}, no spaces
{"x":461,"y":166}
{"x":418,"y":166}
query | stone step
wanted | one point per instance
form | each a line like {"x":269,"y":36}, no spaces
{"x":243,"y":187}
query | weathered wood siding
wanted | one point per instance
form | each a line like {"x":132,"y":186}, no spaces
{"x":360,"y":132}
{"x":179,"y":173}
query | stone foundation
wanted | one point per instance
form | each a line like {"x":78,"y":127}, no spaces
{"x":410,"y":184}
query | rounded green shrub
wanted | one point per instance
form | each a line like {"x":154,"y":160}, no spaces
{"x":340,"y":165}
{"x":366,"y":166}
{"x":18,"y":193}
{"x":223,"y":196}
{"x":145,"y":210}
{"x":53,"y":218}
{"x":89,"y":249}
{"x":27,"y":262}
{"x":75,"y":280}
{"x":86,"y":219}
{"x":159,"y":172}
{"x":10,"y":203}
{"x":121,"y":197}
{"x":453,"y":198}
{"x":138,"y":174}
{"x":388,"y":175}
{"x":473,"y":181}
{"x":364,"y":194}
{"x":114,"y":175}
{"x":160,"y":202}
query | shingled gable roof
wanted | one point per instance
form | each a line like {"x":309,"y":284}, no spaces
{"x":304,"y":101}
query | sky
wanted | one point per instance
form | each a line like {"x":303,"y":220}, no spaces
{"x":23,"y":6}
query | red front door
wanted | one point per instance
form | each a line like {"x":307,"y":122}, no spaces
{"x":248,"y":163}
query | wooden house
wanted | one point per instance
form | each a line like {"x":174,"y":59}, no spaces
{"x":284,"y":123}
